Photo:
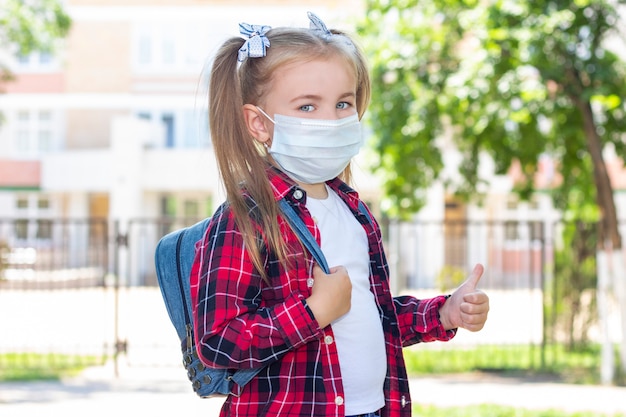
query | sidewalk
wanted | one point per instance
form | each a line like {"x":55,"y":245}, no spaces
{"x":165,"y":391}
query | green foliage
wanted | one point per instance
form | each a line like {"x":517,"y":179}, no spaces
{"x":492,"y":410}
{"x":27,"y":26}
{"x":580,"y":365}
{"x":450,"y":277}
{"x":51,"y":366}
{"x":507,"y":77}
{"x":33,"y":25}
{"x":573,"y":292}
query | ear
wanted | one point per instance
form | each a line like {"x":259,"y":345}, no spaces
{"x":256,"y":123}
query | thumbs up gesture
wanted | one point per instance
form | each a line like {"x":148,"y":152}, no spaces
{"x":467,"y":307}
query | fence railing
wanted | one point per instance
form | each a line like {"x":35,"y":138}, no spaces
{"x":88,"y":287}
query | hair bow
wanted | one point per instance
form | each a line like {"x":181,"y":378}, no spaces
{"x":318,"y":25}
{"x":256,"y":44}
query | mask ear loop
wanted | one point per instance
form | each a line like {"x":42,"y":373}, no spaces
{"x":267,"y":147}
{"x":265,"y":114}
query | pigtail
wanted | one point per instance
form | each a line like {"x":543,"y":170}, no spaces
{"x":240,"y":164}
{"x":225,"y":116}
{"x":231,"y":140}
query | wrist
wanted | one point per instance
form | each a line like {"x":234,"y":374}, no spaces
{"x":444,"y":315}
{"x":317,"y":311}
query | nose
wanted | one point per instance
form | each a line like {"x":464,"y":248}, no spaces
{"x":332,"y":114}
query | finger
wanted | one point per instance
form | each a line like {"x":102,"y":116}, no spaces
{"x":476,"y":297}
{"x":474,"y":277}
{"x":339,"y":268}
{"x":473,"y":327}
{"x":471,"y":308}
{"x":317,"y":271}
{"x":473,"y":322}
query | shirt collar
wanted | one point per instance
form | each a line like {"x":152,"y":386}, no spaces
{"x":285,"y":187}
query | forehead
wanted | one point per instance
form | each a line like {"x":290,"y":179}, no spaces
{"x":325,"y":77}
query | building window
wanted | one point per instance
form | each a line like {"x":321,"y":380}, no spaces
{"x":169,"y":50}
{"x":510,"y":230}
{"x":166,"y":46}
{"x":511,"y":202}
{"x":534,"y":203}
{"x":23,"y":60}
{"x":33,"y":206}
{"x":35,"y":132}
{"x":168,"y":121}
{"x":44,"y":115}
{"x":21,"y":203}
{"x":23,"y":116}
{"x":22,"y":141}
{"x":536,"y":230}
{"x":181,"y":128}
{"x":21,"y":229}
{"x":43,"y":204}
{"x":144,"y":55}
{"x":36,"y":62}
{"x":44,"y":141}
{"x":45,"y":58}
{"x":44,"y":229}
{"x":191,"y":208}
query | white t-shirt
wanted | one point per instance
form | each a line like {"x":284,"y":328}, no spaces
{"x":359,"y":333}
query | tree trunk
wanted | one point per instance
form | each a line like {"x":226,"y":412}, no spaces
{"x":610,"y":258}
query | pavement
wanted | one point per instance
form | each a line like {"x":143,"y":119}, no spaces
{"x":161,"y":391}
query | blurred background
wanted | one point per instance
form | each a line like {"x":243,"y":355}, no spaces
{"x":496,"y":135}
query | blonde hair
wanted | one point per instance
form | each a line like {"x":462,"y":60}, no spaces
{"x":241,"y":161}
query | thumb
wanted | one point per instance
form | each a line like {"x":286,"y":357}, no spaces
{"x":472,"y":282}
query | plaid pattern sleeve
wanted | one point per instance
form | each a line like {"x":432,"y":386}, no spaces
{"x":419,"y":320}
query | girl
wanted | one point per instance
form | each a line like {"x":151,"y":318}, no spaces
{"x":284,"y":110}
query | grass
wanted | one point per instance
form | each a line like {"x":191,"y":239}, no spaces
{"x":490,"y":410}
{"x":513,"y":359}
{"x":38,"y":367}
{"x":579,"y":367}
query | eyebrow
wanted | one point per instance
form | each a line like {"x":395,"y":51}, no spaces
{"x":316,"y":97}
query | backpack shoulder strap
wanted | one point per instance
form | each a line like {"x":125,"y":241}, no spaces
{"x":305,"y":236}
{"x":303,"y":233}
{"x":364,"y":211}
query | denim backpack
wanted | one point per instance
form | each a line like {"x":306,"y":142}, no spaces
{"x":174,"y":257}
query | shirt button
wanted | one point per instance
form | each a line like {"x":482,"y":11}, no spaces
{"x":309,"y":282}
{"x":328,"y":340}
{"x":403,"y":401}
{"x":339,"y":400}
{"x":297,"y":194}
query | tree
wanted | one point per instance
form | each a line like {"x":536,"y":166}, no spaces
{"x":513,"y":79}
{"x":27,"y":26}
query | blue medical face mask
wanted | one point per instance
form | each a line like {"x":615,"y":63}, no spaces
{"x":313,"y":151}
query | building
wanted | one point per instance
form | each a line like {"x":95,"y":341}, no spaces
{"x":114,"y":125}
{"x":114,"y":128}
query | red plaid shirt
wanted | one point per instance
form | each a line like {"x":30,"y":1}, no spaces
{"x":242,"y":322}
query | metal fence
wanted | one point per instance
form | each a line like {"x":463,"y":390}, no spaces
{"x":88,"y":287}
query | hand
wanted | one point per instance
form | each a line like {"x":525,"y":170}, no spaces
{"x":330,"y":295}
{"x":467,"y":307}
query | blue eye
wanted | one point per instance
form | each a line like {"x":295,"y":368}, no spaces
{"x":343,"y":105}
{"x":307,"y":108}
